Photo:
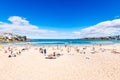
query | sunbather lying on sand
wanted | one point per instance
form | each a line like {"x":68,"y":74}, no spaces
{"x":115,"y":52}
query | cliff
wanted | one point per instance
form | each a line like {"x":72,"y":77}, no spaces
{"x":103,"y":38}
{"x":9,"y":37}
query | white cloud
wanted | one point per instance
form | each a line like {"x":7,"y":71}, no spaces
{"x":21,"y":26}
{"x":111,"y":27}
{"x":18,"y":20}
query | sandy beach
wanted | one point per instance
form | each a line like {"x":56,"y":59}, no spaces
{"x":59,"y":39}
{"x":78,"y":62}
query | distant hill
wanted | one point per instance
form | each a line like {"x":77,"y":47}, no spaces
{"x":103,"y":38}
{"x":9,"y":37}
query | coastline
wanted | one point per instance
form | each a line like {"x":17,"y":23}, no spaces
{"x":50,"y":42}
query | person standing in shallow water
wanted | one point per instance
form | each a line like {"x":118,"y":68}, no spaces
{"x":44,"y":51}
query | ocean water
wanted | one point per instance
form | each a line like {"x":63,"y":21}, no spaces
{"x":38,"y":42}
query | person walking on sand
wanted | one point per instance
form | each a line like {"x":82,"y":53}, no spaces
{"x":44,"y":51}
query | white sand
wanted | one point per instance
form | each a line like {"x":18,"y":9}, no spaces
{"x":31,"y":65}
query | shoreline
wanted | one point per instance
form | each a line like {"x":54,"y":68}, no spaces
{"x":53,"y":45}
{"x":44,"y":42}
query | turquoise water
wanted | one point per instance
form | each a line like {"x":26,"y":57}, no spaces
{"x":37,"y":42}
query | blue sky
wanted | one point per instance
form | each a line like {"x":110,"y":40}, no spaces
{"x":60,"y":18}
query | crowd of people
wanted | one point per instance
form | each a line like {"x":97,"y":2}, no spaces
{"x":14,"y":51}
